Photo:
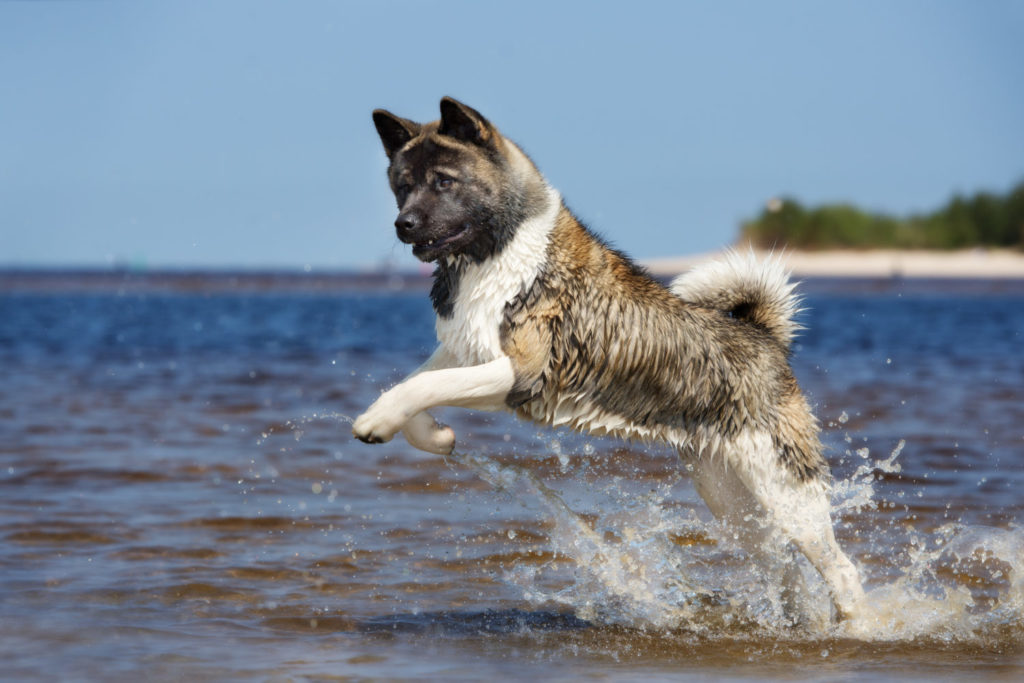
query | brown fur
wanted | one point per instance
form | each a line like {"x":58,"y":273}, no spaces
{"x":595,"y":325}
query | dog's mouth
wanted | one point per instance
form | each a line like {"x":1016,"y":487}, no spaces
{"x":432,"y":249}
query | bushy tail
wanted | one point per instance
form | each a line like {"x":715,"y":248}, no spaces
{"x":752,"y":290}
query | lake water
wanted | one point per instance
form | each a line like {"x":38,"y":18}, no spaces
{"x":181,"y":498}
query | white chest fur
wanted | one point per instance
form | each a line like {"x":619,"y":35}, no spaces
{"x":472,"y":333}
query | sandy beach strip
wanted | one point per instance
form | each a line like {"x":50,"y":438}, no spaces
{"x":972,"y":263}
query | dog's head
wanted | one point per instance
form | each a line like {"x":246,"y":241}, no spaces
{"x":459,"y":184}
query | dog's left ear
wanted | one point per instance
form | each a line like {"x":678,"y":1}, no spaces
{"x":465,"y":123}
{"x":394,"y":131}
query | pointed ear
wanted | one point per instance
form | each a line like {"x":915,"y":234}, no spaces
{"x":465,"y":123}
{"x":394,"y":131}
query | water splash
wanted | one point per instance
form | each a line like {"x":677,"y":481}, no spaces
{"x":634,"y":581}
{"x":296,"y":426}
{"x":962,"y":584}
{"x":857,"y":492}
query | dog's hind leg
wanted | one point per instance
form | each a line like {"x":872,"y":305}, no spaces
{"x":800,"y":511}
{"x":731,"y":502}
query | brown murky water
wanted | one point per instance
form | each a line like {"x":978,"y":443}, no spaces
{"x":180,"y":498}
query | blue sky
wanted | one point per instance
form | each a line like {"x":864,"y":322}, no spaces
{"x":238,"y":133}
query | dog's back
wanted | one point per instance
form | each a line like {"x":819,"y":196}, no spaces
{"x":609,"y":350}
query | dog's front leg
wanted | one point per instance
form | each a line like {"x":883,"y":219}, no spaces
{"x":422,"y":431}
{"x":483,"y":387}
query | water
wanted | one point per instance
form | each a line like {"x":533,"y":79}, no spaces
{"x":180,"y":498}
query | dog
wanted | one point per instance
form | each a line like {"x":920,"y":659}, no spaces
{"x":537,"y":315}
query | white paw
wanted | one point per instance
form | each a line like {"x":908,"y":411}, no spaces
{"x":427,"y":435}
{"x":379,"y":423}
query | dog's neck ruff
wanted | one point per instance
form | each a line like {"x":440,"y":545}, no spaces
{"x":472,"y":333}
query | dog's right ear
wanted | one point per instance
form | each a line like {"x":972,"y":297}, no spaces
{"x":394,"y":131}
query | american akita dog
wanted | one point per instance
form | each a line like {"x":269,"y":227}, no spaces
{"x":537,"y":315}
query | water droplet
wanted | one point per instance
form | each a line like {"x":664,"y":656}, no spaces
{"x":317,"y":487}
{"x":843,"y":418}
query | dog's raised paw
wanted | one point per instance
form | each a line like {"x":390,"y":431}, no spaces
{"x":366,"y":431}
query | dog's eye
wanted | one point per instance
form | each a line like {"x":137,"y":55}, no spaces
{"x":443,"y":183}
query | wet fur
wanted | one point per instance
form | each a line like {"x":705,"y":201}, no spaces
{"x":537,"y":315}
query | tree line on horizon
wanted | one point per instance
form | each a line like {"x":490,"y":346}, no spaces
{"x":984,"y":219}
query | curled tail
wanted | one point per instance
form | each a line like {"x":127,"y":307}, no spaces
{"x":746,"y":288}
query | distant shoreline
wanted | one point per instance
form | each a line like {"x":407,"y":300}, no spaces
{"x":889,"y":265}
{"x":206,"y":280}
{"x":876,"y":263}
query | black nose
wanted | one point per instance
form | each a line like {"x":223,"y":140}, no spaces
{"x":407,"y":224}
